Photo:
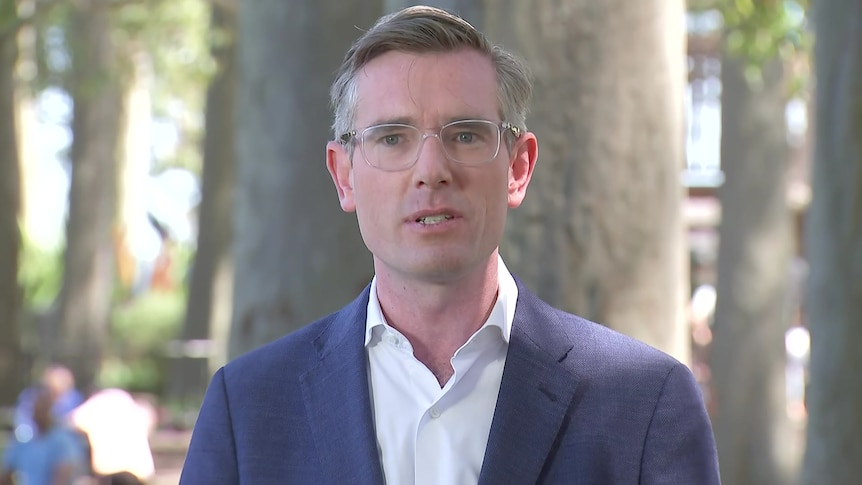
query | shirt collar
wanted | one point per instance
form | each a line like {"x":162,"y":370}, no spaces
{"x":502,"y":314}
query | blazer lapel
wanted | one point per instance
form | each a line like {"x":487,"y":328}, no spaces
{"x":535,"y":394}
{"x":338,"y":402}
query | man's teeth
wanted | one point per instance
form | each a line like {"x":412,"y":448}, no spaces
{"x":433,"y":219}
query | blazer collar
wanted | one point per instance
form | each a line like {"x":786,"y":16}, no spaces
{"x":535,"y":394}
{"x":536,"y":391}
{"x":337,"y":400}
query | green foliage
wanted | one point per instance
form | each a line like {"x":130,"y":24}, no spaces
{"x":40,"y":274}
{"x":142,"y":325}
{"x":175,"y":35}
{"x":759,"y":31}
{"x":8,"y":18}
{"x":51,"y":53}
{"x":137,"y":375}
{"x":141,"y":329}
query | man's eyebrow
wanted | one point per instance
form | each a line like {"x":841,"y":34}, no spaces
{"x":399,"y":120}
{"x":469,"y":118}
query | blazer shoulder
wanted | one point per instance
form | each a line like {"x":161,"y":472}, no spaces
{"x":304,"y":347}
{"x":286,"y":357}
{"x":610,"y":342}
{"x":594,"y":350}
{"x":606,"y":362}
{"x":583,"y":334}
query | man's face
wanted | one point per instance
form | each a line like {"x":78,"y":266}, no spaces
{"x":437,"y":220}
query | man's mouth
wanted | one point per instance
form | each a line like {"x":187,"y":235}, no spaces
{"x":429,"y":220}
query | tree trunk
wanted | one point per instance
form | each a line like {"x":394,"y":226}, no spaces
{"x":209,"y":305}
{"x":298,"y":257}
{"x":834,"y":245}
{"x":85,"y":299}
{"x":32,"y":226}
{"x":756,"y":441}
{"x":11,"y":373}
{"x":601,"y":232}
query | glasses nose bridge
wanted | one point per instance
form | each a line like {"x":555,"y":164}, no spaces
{"x":425,"y":136}
{"x":431,"y":134}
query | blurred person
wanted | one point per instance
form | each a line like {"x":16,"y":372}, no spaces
{"x":118,"y":429}
{"x":52,"y":457}
{"x":446,"y":368}
{"x":60,"y":382}
{"x":122,"y":478}
{"x":797,"y":343}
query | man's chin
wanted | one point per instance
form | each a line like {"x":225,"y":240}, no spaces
{"x":438,"y":267}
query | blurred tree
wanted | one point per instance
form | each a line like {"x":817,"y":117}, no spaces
{"x":128,"y":60}
{"x":601,"y":232}
{"x":164,"y":66}
{"x":756,"y":441}
{"x":210,"y":292}
{"x":834,"y":247}
{"x":88,"y":280}
{"x":10,"y":202}
{"x":759,"y":31}
{"x":297,"y":256}
{"x":27,"y":124}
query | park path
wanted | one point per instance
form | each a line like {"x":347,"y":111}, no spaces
{"x":169,"y":450}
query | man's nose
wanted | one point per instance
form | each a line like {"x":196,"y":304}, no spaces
{"x":433,"y":167}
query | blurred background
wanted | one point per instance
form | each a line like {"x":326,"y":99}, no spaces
{"x":164,"y":204}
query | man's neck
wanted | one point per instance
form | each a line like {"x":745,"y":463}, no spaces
{"x":439,"y":318}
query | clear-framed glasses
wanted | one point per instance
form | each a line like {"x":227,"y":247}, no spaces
{"x":394,"y":146}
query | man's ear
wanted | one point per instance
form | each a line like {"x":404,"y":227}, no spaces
{"x":523,"y":161}
{"x":341,"y":170}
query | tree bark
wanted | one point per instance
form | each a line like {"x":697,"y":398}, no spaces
{"x":209,"y":305}
{"x":11,"y":373}
{"x":297,"y":256}
{"x":834,"y":249}
{"x":601,"y":232}
{"x":85,"y":299}
{"x":756,"y":441}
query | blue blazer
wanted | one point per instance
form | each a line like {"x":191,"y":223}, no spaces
{"x":578,"y":404}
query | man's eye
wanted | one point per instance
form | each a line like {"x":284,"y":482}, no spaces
{"x":465,"y":137}
{"x":391,"y":140}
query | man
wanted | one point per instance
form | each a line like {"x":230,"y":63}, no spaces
{"x":446,"y":369}
{"x":53,"y":456}
{"x":117,"y":427}
{"x":60,"y":382}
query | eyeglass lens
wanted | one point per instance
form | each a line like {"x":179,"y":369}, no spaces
{"x":394,"y":146}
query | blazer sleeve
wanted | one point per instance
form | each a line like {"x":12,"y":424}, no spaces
{"x":680,"y":446}
{"x":211,"y":457}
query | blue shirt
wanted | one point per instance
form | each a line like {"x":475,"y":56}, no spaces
{"x":34,"y":462}
{"x":25,"y":428}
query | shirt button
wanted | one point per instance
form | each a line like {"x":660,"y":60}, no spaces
{"x":435,"y":413}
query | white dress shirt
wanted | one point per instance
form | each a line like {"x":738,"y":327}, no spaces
{"x":425,"y":434}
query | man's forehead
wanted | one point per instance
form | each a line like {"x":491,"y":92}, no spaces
{"x":404,"y":87}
